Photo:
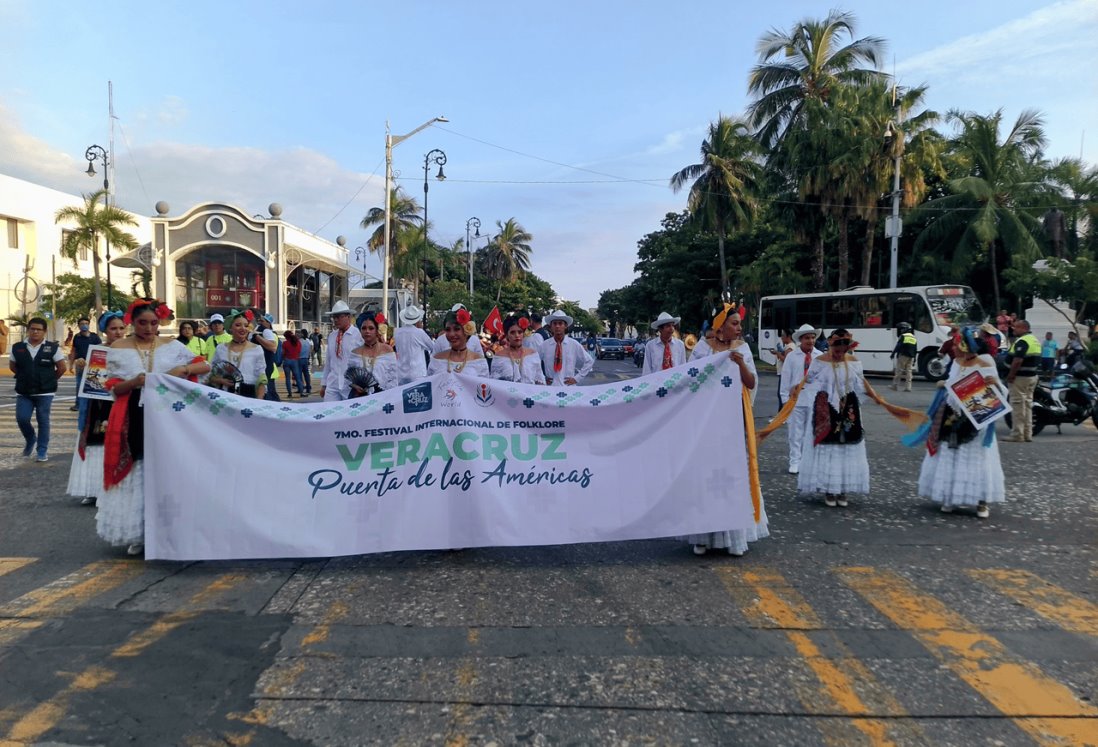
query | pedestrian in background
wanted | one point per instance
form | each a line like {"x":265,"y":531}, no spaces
{"x":1025,"y":360}
{"x":291,"y":363}
{"x":37,"y":364}
{"x":3,"y":337}
{"x":1050,"y":351}
{"x":318,"y":345}
{"x":78,"y":356}
{"x":303,"y":360}
{"x":907,"y":347}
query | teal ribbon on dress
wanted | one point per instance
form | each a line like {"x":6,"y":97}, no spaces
{"x":920,"y":435}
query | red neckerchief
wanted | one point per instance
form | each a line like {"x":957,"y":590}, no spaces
{"x":667,"y":356}
{"x":558,"y":361}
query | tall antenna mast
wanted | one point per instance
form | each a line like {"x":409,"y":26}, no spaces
{"x":110,"y":161}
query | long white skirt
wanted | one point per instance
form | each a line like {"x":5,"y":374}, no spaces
{"x":837,"y":469}
{"x":121,"y":516}
{"x":736,"y":539}
{"x":964,"y":476}
{"x":86,"y":475}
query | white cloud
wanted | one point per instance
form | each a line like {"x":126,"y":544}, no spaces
{"x":1054,"y":29}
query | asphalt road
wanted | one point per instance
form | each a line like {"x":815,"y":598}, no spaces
{"x":883,"y":622}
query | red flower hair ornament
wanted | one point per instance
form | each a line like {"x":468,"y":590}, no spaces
{"x":159,"y":308}
{"x":463,"y":317}
{"x":249,"y":315}
{"x":379,"y":318}
{"x":523,"y":323}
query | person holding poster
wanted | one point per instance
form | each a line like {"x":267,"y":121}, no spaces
{"x":460,"y":357}
{"x":564,"y":360}
{"x":86,"y":472}
{"x":245,"y":357}
{"x":962,"y":467}
{"x":729,"y":338}
{"x":514,"y":361}
{"x":121,"y":517}
{"x":374,"y":355}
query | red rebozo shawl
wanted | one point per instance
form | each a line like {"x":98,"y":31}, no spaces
{"x":193,"y":378}
{"x":117,"y":459}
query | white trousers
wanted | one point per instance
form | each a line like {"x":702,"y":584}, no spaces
{"x":798,"y":421}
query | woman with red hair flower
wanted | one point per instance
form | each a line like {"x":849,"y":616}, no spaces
{"x":514,"y":361}
{"x":121,"y":516}
{"x":460,"y":357}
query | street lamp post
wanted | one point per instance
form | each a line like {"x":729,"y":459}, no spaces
{"x":434,"y":156}
{"x":391,"y":142}
{"x":471,"y":223}
{"x":894,"y":136}
{"x":99,"y":153}
{"x":360,"y":253}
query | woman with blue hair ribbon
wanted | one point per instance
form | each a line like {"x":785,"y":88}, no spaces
{"x":962,"y":467}
{"x":86,"y":473}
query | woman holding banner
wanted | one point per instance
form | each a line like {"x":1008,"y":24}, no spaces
{"x":729,"y":339}
{"x":962,"y":465}
{"x":239,"y":365}
{"x":86,"y":473}
{"x":514,"y":361}
{"x":375,"y":357}
{"x":121,"y":516}
{"x":459,"y":358}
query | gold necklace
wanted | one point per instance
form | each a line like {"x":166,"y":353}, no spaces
{"x":453,"y":366}
{"x":516,"y":368}
{"x":236,"y":358}
{"x":146,"y":355}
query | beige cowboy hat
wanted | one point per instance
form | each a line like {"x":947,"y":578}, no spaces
{"x":411,"y":314}
{"x":340,"y":307}
{"x":805,"y":329}
{"x":557,"y":315}
{"x":665,"y":318}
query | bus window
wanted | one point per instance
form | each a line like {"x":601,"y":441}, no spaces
{"x":809,"y":311}
{"x":922,"y":322}
{"x":874,"y":311}
{"x":783,"y":315}
{"x":842,"y":312}
{"x":912,"y":309}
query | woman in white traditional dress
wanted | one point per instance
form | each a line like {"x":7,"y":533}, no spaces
{"x":514,"y":361}
{"x":374,"y":355}
{"x":729,"y":339}
{"x":121,"y":517}
{"x":962,"y":466}
{"x":86,"y":473}
{"x":246,"y":356}
{"x":833,"y":460}
{"x":459,"y":358}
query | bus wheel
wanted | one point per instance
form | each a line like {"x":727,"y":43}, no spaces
{"x":932,"y":366}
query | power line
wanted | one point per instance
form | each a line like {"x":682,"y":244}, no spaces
{"x":353,"y":198}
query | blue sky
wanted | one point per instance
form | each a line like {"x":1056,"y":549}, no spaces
{"x":569,"y":116}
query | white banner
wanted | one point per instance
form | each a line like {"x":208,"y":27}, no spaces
{"x":450,"y":461}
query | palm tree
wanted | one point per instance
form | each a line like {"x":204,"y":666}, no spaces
{"x":93,"y":220}
{"x":508,"y":254}
{"x":983,"y":210}
{"x":406,"y":217}
{"x":1075,"y":186}
{"x":811,"y":66}
{"x":725,"y":183}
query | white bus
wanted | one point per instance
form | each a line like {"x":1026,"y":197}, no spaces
{"x":872,"y":314}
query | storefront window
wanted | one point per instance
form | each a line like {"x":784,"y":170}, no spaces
{"x":217,"y":280}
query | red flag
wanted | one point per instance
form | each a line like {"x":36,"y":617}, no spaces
{"x":494,"y":323}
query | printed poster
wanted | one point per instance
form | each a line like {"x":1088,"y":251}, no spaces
{"x":981,"y":402}
{"x":93,"y":385}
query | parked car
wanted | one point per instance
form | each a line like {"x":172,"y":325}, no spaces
{"x":609,"y":347}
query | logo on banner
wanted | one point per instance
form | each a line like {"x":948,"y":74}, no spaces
{"x":449,"y":389}
{"x":417,"y":398}
{"x":484,"y":395}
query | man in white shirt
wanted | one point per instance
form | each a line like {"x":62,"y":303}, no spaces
{"x":563,"y":359}
{"x":536,"y":334}
{"x":663,"y":352}
{"x":413,"y":345}
{"x":342,"y":340}
{"x":797,"y":363}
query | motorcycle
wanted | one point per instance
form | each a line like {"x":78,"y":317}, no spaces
{"x":638,"y":354}
{"x":1071,"y":396}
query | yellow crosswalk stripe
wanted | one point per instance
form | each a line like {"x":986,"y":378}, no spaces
{"x":768,"y":600}
{"x":48,"y":714}
{"x":1053,"y":603}
{"x":1044,"y":708}
{"x":9,"y":565}
{"x":22,"y":615}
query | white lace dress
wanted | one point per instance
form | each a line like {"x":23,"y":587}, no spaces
{"x":734,"y":539}
{"x":834,"y":468}
{"x":384,"y":367}
{"x":477,"y":366}
{"x":970,"y":472}
{"x":528,"y":371}
{"x":121,"y":516}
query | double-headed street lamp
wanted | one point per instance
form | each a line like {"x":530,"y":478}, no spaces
{"x":471,"y":223}
{"x":438,"y":158}
{"x":390,"y":143}
{"x":360,"y":253}
{"x":99,"y":153}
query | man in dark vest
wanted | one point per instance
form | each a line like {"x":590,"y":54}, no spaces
{"x":1025,"y":362}
{"x":37,"y":364}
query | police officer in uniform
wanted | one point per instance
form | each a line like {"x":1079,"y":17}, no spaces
{"x":907,"y":347}
{"x":37,"y":364}
{"x":1025,"y":364}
